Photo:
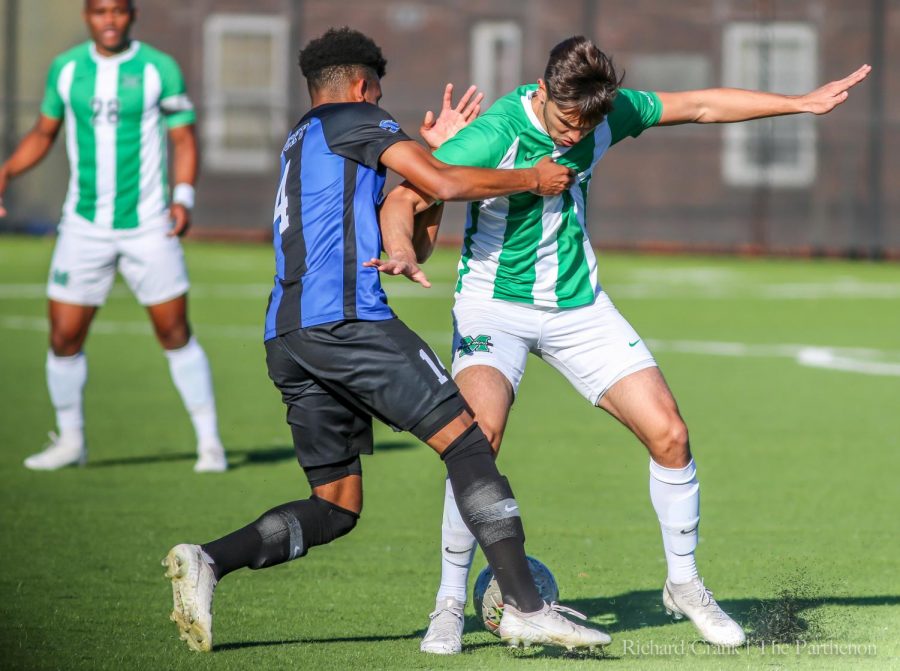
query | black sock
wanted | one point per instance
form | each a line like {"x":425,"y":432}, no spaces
{"x":279,"y":535}
{"x":488,"y":508}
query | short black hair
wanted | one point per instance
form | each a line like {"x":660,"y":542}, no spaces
{"x":337,"y":54}
{"x":581,"y":79}
{"x":87,"y":4}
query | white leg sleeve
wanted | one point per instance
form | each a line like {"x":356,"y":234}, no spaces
{"x":190,"y":372}
{"x":66,"y":377}
{"x":675,"y":494}
{"x":457,"y":550}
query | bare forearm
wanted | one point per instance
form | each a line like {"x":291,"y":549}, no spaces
{"x":397,"y":225}
{"x":425,"y":230}
{"x":184,"y":155}
{"x":33,"y":147}
{"x":461,"y":183}
{"x":731,"y":105}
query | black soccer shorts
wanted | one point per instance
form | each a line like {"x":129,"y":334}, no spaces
{"x":335,"y":377}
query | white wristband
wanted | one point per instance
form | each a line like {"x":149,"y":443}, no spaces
{"x":183,"y":194}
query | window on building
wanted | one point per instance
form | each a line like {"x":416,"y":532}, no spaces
{"x":668,"y":72}
{"x":245,"y":96}
{"x":496,"y":58}
{"x":779,"y":57}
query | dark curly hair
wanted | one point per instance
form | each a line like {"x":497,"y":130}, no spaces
{"x":87,"y":5}
{"x":580,"y":78}
{"x":339,"y":53}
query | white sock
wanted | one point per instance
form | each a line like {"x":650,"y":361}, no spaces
{"x":190,"y":372}
{"x":66,"y":377}
{"x":675,"y":493}
{"x":457,"y":550}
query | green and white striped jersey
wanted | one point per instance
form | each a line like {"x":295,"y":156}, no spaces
{"x":116,"y":112}
{"x":524,"y":247}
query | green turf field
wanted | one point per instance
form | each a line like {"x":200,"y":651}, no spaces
{"x":787,"y":372}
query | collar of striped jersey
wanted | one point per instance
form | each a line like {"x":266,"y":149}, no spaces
{"x":126,"y":55}
{"x":529,"y":111}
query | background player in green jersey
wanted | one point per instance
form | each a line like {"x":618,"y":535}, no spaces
{"x":528,"y":283}
{"x":119,"y":99}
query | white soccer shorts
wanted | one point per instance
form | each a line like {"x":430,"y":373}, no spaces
{"x":85,"y":261}
{"x":592,"y":346}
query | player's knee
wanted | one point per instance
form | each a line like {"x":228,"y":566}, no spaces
{"x":66,"y":339}
{"x":336,"y":521}
{"x":289,"y":531}
{"x":671,"y":447}
{"x":173,"y":335}
{"x":493,"y":434}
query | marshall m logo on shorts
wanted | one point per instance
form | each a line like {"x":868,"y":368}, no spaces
{"x":60,"y":277}
{"x":469,"y":345}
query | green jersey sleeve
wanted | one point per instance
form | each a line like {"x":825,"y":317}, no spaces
{"x":481,"y":144}
{"x":633,"y":113}
{"x":52,"y":106}
{"x":174,"y":102}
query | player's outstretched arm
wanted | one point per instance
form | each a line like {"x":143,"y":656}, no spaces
{"x":184,"y":168}
{"x":33,"y":147}
{"x":436,"y":131}
{"x":730,"y":105}
{"x":448,"y":182}
{"x":409,"y":225}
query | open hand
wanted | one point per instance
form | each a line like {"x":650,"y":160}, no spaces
{"x":436,"y":131}
{"x":553,"y":178}
{"x":400,"y":266}
{"x":826,"y":98}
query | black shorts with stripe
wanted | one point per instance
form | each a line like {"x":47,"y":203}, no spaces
{"x":334,"y":378}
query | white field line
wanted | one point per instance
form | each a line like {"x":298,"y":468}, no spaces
{"x":259,"y":292}
{"x":846,"y":359}
{"x":841,"y":288}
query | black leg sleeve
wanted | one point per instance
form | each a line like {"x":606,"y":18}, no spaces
{"x":487,"y":505}
{"x":279,"y":535}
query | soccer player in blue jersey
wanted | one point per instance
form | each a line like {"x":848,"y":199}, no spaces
{"x":119,"y":100}
{"x":339,"y":356}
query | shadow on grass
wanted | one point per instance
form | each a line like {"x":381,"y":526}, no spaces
{"x":236,"y":458}
{"x":789,"y":617}
{"x":637,"y":610}
{"x":239,"y":645}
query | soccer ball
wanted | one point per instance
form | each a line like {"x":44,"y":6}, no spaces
{"x":489,"y":602}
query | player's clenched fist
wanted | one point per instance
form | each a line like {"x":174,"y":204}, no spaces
{"x":553,"y":178}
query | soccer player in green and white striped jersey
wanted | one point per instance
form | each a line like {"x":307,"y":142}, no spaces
{"x":527,"y":282}
{"x":120,"y":101}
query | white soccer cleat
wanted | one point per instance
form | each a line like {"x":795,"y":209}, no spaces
{"x":695,"y":602}
{"x":548,"y":627}
{"x":62,"y":452}
{"x":444,"y":635}
{"x":211,"y":458}
{"x":193,"y":584}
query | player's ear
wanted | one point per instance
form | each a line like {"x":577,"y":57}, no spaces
{"x":542,"y":90}
{"x":358,"y":88}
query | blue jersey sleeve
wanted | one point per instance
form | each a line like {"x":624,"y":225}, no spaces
{"x":361,"y":132}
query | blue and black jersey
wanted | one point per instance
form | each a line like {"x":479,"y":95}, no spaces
{"x":326,"y":218}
